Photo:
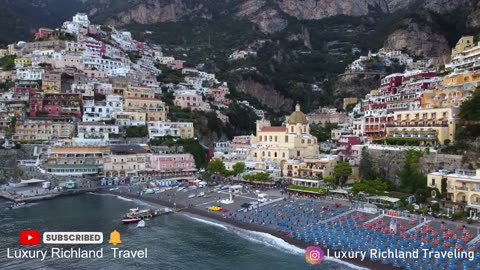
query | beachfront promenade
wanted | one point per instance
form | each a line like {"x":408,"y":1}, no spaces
{"x":337,"y":226}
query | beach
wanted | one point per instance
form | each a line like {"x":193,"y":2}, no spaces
{"x":202,"y":212}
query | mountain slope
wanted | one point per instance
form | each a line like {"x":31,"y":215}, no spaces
{"x":303,"y":42}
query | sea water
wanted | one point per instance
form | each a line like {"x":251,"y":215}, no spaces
{"x":176,"y":241}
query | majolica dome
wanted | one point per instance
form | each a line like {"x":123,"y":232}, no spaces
{"x":297,"y":117}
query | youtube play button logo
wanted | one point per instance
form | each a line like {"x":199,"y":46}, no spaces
{"x":29,"y":238}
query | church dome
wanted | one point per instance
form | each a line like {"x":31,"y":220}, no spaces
{"x":297,"y":117}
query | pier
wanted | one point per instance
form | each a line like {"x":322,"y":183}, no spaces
{"x":46,"y":196}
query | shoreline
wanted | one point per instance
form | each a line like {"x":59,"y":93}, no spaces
{"x":247,"y":226}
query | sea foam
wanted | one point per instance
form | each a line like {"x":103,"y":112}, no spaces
{"x":208,"y":222}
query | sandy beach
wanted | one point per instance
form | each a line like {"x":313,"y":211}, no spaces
{"x":196,"y":207}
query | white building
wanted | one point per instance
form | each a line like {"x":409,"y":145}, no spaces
{"x":102,"y":111}
{"x":103,"y":64}
{"x":81,"y":19}
{"x":29,"y":74}
{"x":174,"y":129}
{"x":222,"y":147}
{"x":94,"y":133}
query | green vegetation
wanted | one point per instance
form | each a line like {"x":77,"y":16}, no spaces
{"x":320,"y":191}
{"x":216,"y":166}
{"x":411,"y":179}
{"x":257,"y":177}
{"x":134,"y":56}
{"x":444,"y":187}
{"x":191,"y":146}
{"x":7,"y":62}
{"x":238,"y":168}
{"x":106,"y":28}
{"x":137,"y":132}
{"x":170,"y":75}
{"x":341,"y":172}
{"x":322,"y":133}
{"x":7,"y":85}
{"x":373,"y":187}
{"x":366,"y":168}
{"x":242,"y":119}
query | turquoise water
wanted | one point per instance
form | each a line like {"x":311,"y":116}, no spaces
{"x":174,"y":241}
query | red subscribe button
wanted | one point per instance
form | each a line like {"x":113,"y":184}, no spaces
{"x":30,"y":237}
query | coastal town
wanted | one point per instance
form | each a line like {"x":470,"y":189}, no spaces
{"x":87,"y":108}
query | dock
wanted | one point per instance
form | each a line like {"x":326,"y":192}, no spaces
{"x":41,"y":197}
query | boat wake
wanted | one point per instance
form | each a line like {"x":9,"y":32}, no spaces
{"x":111,"y":195}
{"x":124,"y":199}
{"x":208,"y":222}
{"x":270,"y":241}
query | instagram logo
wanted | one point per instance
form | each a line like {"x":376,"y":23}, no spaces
{"x":314,"y":255}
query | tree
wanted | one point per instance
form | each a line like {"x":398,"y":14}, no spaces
{"x":329,"y":180}
{"x":366,"y":166}
{"x":410,"y":178}
{"x":238,"y":168}
{"x":136,"y":132}
{"x":377,"y":186}
{"x":216,"y":166}
{"x":257,"y":177}
{"x":444,"y":187}
{"x":341,"y":172}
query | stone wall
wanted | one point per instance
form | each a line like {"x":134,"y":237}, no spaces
{"x":391,"y":161}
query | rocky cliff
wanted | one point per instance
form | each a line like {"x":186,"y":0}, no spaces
{"x":266,"y":94}
{"x":418,"y":40}
{"x":357,"y":85}
{"x":155,"y":11}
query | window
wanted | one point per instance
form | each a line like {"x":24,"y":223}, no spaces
{"x":433,"y":181}
{"x":291,"y":129}
{"x":286,"y":139}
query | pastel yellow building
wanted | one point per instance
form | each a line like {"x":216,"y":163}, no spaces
{"x":146,"y":105}
{"x":43,"y":130}
{"x":51,"y":82}
{"x":138,"y":92}
{"x":428,"y":126}
{"x":23,"y":61}
{"x":75,"y":160}
{"x":312,"y":167}
{"x":124,"y":161}
{"x":463,"y":44}
{"x":3,"y":53}
{"x":6,"y":75}
{"x":130,"y":118}
{"x":463,"y":187}
{"x":457,"y":87}
{"x":280,"y":143}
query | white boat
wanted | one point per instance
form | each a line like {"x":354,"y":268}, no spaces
{"x":191,"y":196}
{"x":17,"y":205}
{"x":141,"y":224}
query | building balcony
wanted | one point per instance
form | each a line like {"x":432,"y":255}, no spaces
{"x":464,"y":188}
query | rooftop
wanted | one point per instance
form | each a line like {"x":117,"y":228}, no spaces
{"x":274,"y":129}
{"x":128,"y":148}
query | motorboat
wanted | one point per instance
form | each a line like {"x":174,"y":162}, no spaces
{"x":17,"y":205}
{"x":130,"y":220}
{"x":141,"y":224}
